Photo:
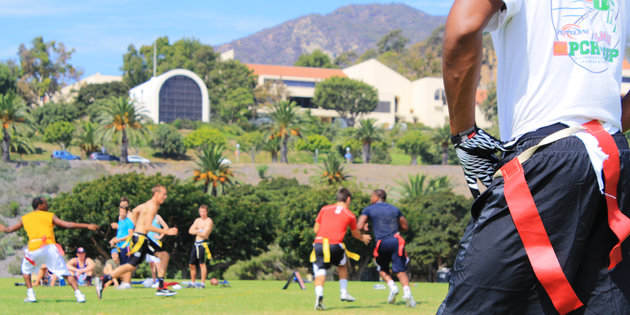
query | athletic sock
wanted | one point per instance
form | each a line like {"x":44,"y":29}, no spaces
{"x":406,"y":290}
{"x":343,"y":286}
{"x":30,"y":291}
{"x":161,"y":282}
{"x":319,"y":291}
{"x":391,"y":284}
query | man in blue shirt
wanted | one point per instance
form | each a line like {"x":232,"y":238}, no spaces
{"x":386,"y":221}
{"x":121,"y":242}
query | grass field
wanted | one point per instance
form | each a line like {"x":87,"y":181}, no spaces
{"x":243,"y":297}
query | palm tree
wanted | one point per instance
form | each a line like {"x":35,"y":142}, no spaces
{"x":367,"y":134}
{"x":417,"y":185}
{"x":21,"y":144}
{"x":286,"y":120}
{"x":87,"y":137}
{"x":333,"y":170}
{"x":273,"y":147}
{"x":442,"y":136}
{"x":120,"y":115}
{"x":212,"y":170}
{"x":11,"y":113}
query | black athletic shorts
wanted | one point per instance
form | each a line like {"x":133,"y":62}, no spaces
{"x":122,"y":254}
{"x":388,"y":253}
{"x":197,"y":254}
{"x":146,"y":247}
{"x":337,"y":255}
{"x":492,"y":274}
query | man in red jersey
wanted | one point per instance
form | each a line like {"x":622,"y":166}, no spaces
{"x":328,"y":249}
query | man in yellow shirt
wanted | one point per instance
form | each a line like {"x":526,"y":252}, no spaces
{"x":42,"y":248}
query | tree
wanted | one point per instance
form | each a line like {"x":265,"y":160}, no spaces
{"x":286,"y":123}
{"x":246,"y":226}
{"x":60,"y":132}
{"x":392,"y":41}
{"x":252,"y":142}
{"x":45,"y":69}
{"x":333,"y":171}
{"x":420,"y":185}
{"x":237,"y":106}
{"x":314,"y":143}
{"x":168,"y":141}
{"x":91,"y":93}
{"x":12,"y":112}
{"x":436,"y":224}
{"x":316,"y":59}
{"x":349,"y":98}
{"x":442,"y":136}
{"x":212,"y":170}
{"x":21,"y":144}
{"x":135,"y":71}
{"x":8,"y":77}
{"x":53,"y":112}
{"x":367,"y":134}
{"x":345,"y":59}
{"x":87,"y":137}
{"x":415,"y":143}
{"x":273,"y":146}
{"x":120,"y":115}
{"x":203,"y":137}
{"x":489,"y":105}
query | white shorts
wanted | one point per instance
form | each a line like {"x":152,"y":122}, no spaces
{"x":48,"y":255}
{"x":152,"y":259}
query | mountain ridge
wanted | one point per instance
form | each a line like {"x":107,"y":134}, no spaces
{"x":349,"y":28}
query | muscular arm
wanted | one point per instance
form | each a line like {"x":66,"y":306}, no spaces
{"x":89,"y":265}
{"x":365,"y":238}
{"x":12,"y":228}
{"x":362,"y":220}
{"x":316,"y":227}
{"x":162,"y":224}
{"x":71,"y":265}
{"x":193,"y":228}
{"x":73,"y":225}
{"x":462,"y":58}
{"x":625,"y":110}
{"x":402,"y":224}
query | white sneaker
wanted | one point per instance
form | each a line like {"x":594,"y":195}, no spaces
{"x":80,"y":297}
{"x":346,"y":297}
{"x":155,"y":285}
{"x":409,"y":300}
{"x":30,"y":297}
{"x":124,"y":286}
{"x":392,"y":295}
{"x":319,"y":306}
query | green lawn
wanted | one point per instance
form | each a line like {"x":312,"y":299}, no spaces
{"x":244,"y":297}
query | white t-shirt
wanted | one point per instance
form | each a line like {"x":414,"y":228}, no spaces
{"x":559,"y":61}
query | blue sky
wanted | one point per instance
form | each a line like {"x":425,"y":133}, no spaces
{"x":100,"y":31}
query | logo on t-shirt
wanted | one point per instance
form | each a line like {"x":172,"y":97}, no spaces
{"x":587,"y":31}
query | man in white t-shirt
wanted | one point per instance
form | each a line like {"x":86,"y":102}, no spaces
{"x":546,"y":236}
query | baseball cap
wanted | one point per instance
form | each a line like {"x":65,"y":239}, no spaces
{"x":80,"y":250}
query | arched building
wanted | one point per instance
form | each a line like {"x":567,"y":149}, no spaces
{"x":176,"y":94}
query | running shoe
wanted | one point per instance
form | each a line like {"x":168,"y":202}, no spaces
{"x":98,"y":285}
{"x":392,"y":295}
{"x":409,"y":300}
{"x":30,"y":297}
{"x":345,"y":297}
{"x":318,"y":303}
{"x":201,"y":285}
{"x":191,"y":285}
{"x":165,"y":292}
{"x":124,"y":286}
{"x":80,"y":297}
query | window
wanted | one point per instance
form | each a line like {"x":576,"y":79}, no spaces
{"x":180,"y":97}
{"x":382,"y":107}
{"x":304,"y":102}
{"x":294,"y":83}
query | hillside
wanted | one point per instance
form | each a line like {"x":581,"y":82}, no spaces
{"x":351,"y":28}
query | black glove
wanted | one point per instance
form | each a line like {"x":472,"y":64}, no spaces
{"x":477,"y":154}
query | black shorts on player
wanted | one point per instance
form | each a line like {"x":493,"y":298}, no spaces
{"x":337,"y":256}
{"x":388,"y":252}
{"x":197,"y":254}
{"x":147,"y":247}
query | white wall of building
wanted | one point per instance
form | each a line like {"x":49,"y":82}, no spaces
{"x":147,"y":95}
{"x":69,"y":92}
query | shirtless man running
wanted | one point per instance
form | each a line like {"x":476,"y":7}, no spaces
{"x":143,"y":216}
{"x":201,"y":228}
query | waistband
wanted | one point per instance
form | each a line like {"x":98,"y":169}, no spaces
{"x":201,"y":242}
{"x":139,"y":234}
